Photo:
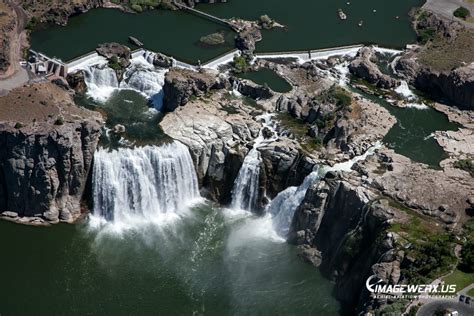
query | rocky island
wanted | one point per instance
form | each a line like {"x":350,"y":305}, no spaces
{"x":313,"y":175}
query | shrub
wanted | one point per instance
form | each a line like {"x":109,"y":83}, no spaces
{"x":59,"y":121}
{"x":426,"y":35}
{"x":18,"y":125}
{"x":240,"y":64}
{"x":466,"y":165}
{"x":461,"y":13}
{"x":137,"y":8}
{"x":467,"y":257}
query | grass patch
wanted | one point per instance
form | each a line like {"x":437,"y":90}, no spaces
{"x":427,"y":243}
{"x":470,"y":292}
{"x":460,"y":278}
{"x":470,"y":20}
{"x":443,"y":54}
{"x":300,"y":129}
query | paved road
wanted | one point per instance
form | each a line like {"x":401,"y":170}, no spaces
{"x":430,"y":308}
{"x":446,"y":8}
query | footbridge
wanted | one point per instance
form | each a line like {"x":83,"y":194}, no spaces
{"x":233,"y":26}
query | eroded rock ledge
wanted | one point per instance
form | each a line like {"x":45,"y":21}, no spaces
{"x":47,"y":146}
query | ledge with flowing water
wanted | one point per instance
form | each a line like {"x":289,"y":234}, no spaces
{"x":147,"y":184}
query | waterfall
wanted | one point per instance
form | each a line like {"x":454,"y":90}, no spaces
{"x":101,"y":81}
{"x":246,"y":187}
{"x":144,"y":183}
{"x":282,"y":208}
{"x":245,"y":192}
{"x":413,"y":101}
{"x":141,"y":76}
{"x":284,"y":205}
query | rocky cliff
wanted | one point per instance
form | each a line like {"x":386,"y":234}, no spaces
{"x":46,"y":150}
{"x":427,"y":67}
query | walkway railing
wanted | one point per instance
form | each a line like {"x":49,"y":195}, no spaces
{"x":207,"y":15}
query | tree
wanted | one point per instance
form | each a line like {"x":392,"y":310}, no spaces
{"x":461,"y":13}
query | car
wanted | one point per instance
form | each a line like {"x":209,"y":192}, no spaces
{"x":461,"y":298}
{"x":467,"y":300}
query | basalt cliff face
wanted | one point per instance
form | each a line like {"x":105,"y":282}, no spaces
{"x":428,"y":69}
{"x":46,"y":151}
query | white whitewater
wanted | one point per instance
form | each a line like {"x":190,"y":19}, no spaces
{"x":412,"y":100}
{"x":245,"y":193}
{"x":101,"y":81}
{"x":141,"y":76}
{"x":147,"y":184}
{"x":282,"y":208}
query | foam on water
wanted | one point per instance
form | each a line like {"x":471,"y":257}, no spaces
{"x":143,"y":185}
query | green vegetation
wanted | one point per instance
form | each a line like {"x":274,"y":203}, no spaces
{"x":470,"y":292}
{"x":114,"y":63}
{"x":466,"y":165}
{"x":18,"y":125}
{"x":59,"y":121}
{"x":240,"y":64}
{"x":336,"y":95}
{"x":32,"y":23}
{"x":461,"y":13}
{"x":445,"y":54}
{"x":429,"y":245}
{"x":213,"y":39}
{"x":467,"y":256}
{"x":427,"y":34}
{"x":300,"y":129}
{"x":230,"y":109}
{"x":460,"y":278}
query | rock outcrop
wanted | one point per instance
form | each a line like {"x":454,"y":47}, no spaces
{"x":251,"y":90}
{"x":182,"y":84}
{"x":457,"y":85}
{"x":216,"y":140}
{"x":364,"y":67}
{"x":428,"y":69}
{"x":246,"y":40}
{"x":46,"y":151}
{"x":162,"y":61}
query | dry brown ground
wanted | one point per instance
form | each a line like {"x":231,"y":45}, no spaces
{"x":39,"y":103}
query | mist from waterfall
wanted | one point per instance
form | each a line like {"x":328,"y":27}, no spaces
{"x":146,"y":184}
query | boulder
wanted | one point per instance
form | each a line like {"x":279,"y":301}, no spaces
{"x":182,"y":84}
{"x":364,"y":67}
{"x":162,"y":61}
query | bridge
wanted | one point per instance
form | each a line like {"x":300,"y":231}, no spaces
{"x":233,"y":26}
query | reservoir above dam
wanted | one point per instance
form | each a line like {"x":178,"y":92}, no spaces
{"x":309,"y":25}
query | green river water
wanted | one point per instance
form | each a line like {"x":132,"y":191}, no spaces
{"x":309,"y":25}
{"x":208,"y":263}
{"x":205,"y":264}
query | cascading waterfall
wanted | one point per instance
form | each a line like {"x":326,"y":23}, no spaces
{"x":144,"y":183}
{"x":101,"y":81}
{"x":245,"y":191}
{"x":284,"y":205}
{"x":141,"y":76}
{"x":282,"y":208}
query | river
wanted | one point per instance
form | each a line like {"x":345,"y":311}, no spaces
{"x":138,"y":255}
{"x":309,"y":25}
